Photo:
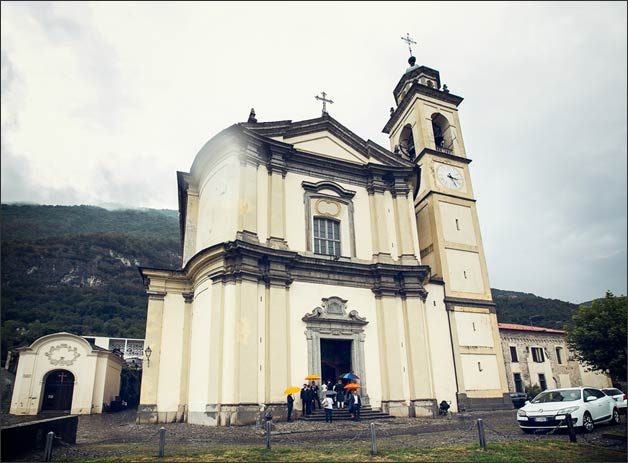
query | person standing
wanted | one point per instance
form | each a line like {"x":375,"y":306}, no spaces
{"x":290,"y":405}
{"x":308,"y":400}
{"x":340,"y":394}
{"x":356,"y":404}
{"x":316,"y":391}
{"x":328,"y":404}
{"x":303,"y":400}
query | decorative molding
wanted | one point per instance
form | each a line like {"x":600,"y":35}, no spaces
{"x":156,"y":295}
{"x":62,"y":354}
{"x":331,"y":321}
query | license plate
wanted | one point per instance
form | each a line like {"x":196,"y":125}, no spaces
{"x":541,"y":419}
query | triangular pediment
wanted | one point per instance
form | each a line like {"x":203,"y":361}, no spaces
{"x":326,"y":144}
{"x":324,"y":136}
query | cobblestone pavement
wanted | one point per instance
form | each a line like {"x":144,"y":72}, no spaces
{"x":118,"y":434}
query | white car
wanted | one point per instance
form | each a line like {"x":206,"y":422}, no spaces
{"x":548,"y":410}
{"x":618,"y":396}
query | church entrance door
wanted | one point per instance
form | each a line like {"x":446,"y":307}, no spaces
{"x":58,"y":391}
{"x":335,"y":359}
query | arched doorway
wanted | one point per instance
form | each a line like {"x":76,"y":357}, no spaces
{"x":58,"y":390}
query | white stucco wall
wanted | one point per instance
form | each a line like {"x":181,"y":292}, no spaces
{"x":452,"y":215}
{"x":474,"y":329}
{"x":480,"y":372}
{"x":440,"y":345}
{"x":465,"y":271}
{"x":218,"y":206}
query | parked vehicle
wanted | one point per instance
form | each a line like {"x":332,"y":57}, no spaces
{"x":548,"y":410}
{"x":518,"y":399}
{"x":618,"y":396}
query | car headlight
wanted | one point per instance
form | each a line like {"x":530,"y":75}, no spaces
{"x":564,"y":411}
{"x":522,"y":413}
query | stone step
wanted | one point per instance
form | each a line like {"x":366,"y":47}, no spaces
{"x":366,"y":413}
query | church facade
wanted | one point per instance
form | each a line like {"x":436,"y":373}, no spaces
{"x":308,"y":250}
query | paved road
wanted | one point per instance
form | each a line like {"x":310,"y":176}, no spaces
{"x":118,"y":434}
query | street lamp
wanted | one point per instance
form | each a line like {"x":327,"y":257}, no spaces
{"x":147,"y":352}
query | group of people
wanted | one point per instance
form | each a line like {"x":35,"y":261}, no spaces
{"x":333,"y":396}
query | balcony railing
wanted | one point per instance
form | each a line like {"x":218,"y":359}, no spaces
{"x":442,"y":149}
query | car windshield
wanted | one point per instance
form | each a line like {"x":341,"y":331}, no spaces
{"x":567,"y":395}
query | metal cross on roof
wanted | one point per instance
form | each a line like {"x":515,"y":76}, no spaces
{"x":324,"y":100}
{"x":409,"y":41}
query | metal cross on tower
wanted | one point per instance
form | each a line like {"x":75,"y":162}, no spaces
{"x":324,"y":100}
{"x":409,"y":41}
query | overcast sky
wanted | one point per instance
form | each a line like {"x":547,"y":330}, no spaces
{"x":103,"y":102}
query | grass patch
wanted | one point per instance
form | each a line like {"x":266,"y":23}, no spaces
{"x":513,"y":452}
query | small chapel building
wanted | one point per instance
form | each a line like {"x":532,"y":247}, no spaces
{"x":64,"y":373}
{"x":309,"y":250}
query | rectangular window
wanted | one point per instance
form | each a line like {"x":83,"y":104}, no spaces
{"x":513,"y":355}
{"x":537,"y":355}
{"x":518,"y":382}
{"x":326,"y":237}
{"x":559,"y":355}
{"x":542,"y":382}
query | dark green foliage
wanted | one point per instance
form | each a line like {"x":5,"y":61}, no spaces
{"x":528,"y":309}
{"x":597,"y":335}
{"x":130,"y":383}
{"x":74,"y":269}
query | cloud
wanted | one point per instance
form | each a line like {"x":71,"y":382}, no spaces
{"x":103,"y":102}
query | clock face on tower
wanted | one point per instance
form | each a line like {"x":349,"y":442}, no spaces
{"x":450,"y":176}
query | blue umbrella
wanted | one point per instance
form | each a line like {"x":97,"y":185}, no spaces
{"x":350,"y":376}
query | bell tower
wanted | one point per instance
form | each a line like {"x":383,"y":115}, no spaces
{"x":425,"y":129}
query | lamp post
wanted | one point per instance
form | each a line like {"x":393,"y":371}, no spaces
{"x":147,"y":353}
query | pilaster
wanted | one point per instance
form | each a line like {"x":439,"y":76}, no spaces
{"x":147,"y":409}
{"x":247,"y":213}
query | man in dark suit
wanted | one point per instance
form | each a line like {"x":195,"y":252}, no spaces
{"x":309,"y":398}
{"x":356,"y":404}
{"x":303,"y":401}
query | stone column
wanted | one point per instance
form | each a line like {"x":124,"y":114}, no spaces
{"x":185,"y":358}
{"x":420,"y":372}
{"x":247,"y":214}
{"x":215,"y":354}
{"x":277,"y":369}
{"x":276,"y":210}
{"x":246,"y":337}
{"x":189,"y":246}
{"x":379,"y":229}
{"x":147,"y":410}
{"x":374,"y":228}
{"x":404,"y":230}
{"x":391,"y":336}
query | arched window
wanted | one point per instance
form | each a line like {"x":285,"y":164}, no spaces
{"x":406,"y":142}
{"x":326,"y":236}
{"x":443,"y":139}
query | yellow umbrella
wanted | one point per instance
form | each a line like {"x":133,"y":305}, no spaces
{"x":291,"y":390}
{"x":312,"y":377}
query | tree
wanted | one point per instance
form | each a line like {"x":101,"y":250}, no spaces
{"x":597,"y":335}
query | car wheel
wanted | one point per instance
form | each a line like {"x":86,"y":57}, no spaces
{"x":615,"y":419}
{"x":587,"y":422}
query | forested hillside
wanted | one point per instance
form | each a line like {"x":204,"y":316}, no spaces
{"x":75,"y":269}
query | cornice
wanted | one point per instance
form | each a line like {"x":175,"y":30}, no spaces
{"x":440,"y":154}
{"x":422,"y":90}
{"x":239,"y":260}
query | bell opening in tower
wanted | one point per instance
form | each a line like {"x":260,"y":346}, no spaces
{"x":335,"y":359}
